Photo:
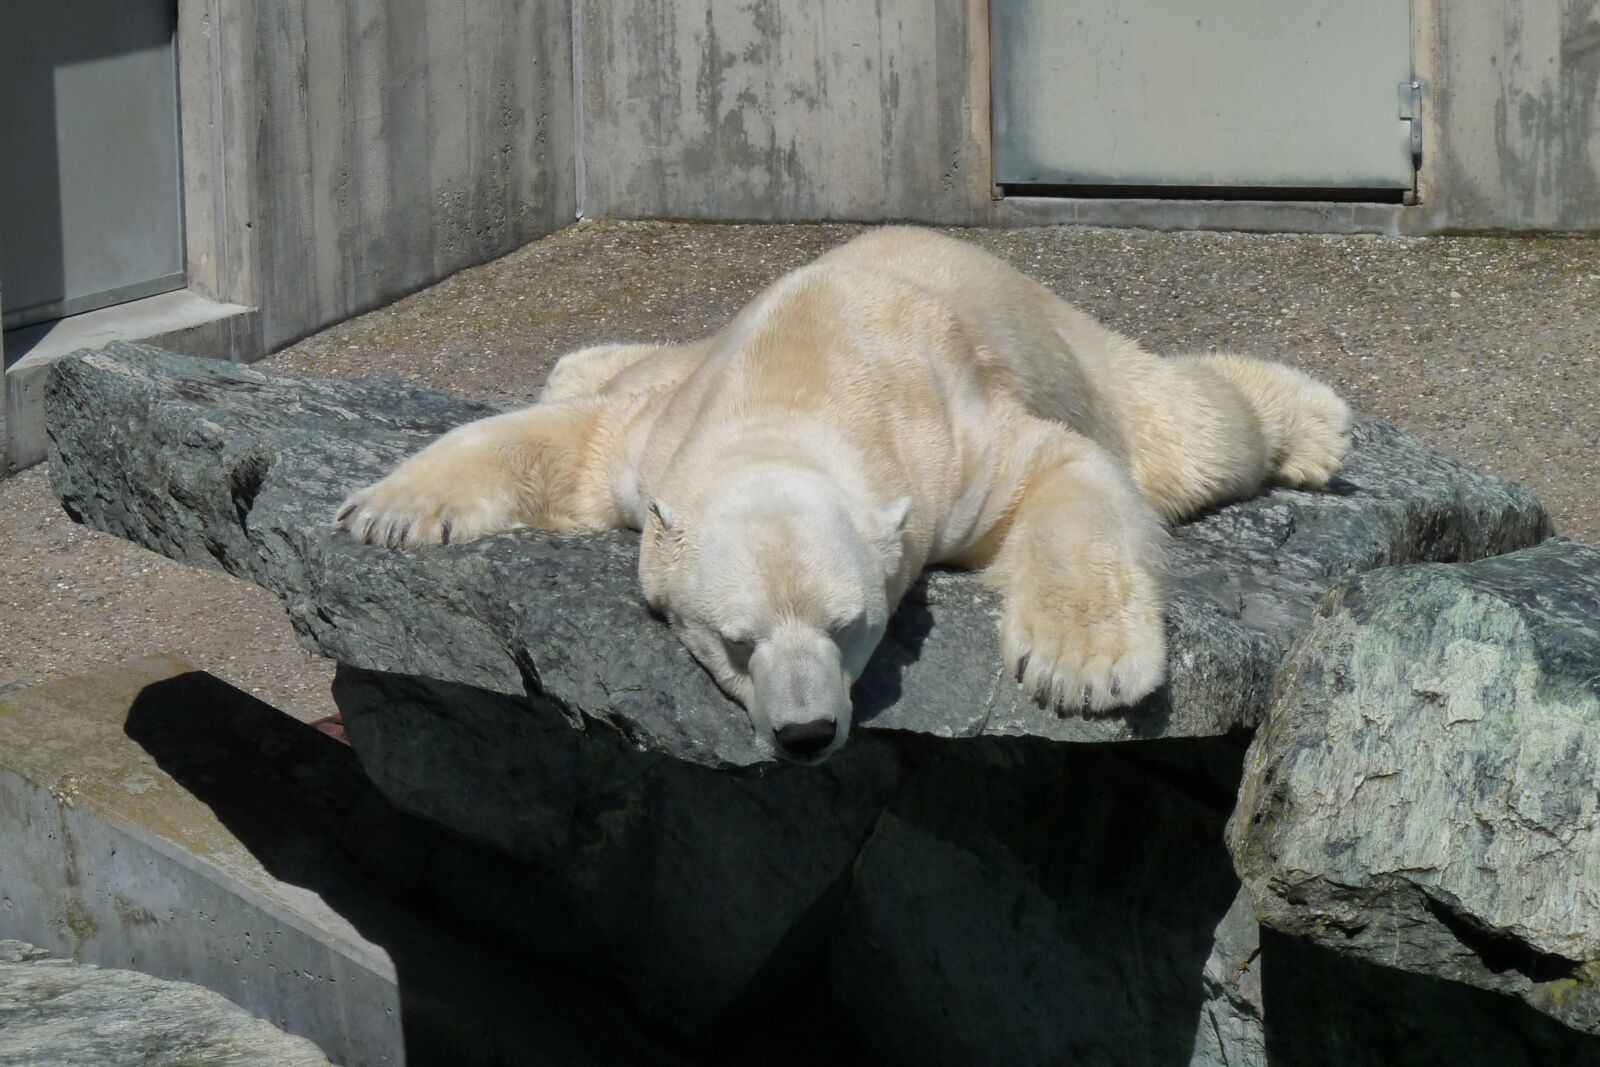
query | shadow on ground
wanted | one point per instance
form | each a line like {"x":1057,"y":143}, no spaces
{"x":437,"y":904}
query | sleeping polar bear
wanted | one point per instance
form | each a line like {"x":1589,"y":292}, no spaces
{"x":904,"y":400}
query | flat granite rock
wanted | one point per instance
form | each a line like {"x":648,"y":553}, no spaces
{"x":206,"y":461}
{"x":56,"y":1013}
{"x":1425,"y":791}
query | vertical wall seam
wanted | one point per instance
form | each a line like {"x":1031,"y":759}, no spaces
{"x":222,"y":274}
{"x":577,"y":108}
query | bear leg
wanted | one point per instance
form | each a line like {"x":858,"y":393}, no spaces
{"x":1304,"y":423}
{"x":545,"y":466}
{"x":587,"y":371}
{"x":1082,"y":626}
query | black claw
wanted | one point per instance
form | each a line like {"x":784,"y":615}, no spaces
{"x":405,"y":532}
{"x":444,"y":532}
{"x":366,"y":530}
{"x":344,"y":513}
{"x":1086,"y":695}
{"x":1022,"y":667}
{"x":1116,"y":686}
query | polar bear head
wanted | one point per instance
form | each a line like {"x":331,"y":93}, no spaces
{"x":780,"y":587}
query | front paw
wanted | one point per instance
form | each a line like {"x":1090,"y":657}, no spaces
{"x":1089,"y":643}
{"x":414,"y":506}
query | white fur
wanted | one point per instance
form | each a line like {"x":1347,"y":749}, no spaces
{"x":906,"y":399}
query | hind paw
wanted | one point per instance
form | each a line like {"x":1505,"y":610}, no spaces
{"x":1318,"y":442}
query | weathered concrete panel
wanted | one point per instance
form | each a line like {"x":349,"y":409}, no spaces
{"x":337,"y":156}
{"x":828,"y":109}
{"x":1515,"y":137}
{"x":823,"y":109}
{"x":398,"y":142}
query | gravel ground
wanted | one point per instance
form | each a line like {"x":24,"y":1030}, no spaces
{"x":1489,"y":348}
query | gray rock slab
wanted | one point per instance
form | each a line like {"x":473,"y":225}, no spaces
{"x":205,"y":462}
{"x":1423,"y":792}
{"x":1026,"y":903}
{"x":1231,"y":1031}
{"x":56,"y":1013}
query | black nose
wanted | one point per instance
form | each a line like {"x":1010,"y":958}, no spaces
{"x":805,"y":739}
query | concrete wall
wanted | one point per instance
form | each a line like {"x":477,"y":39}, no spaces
{"x":1514,"y":141}
{"x":822,"y":109}
{"x":732,"y":109}
{"x":337,"y":156}
{"x":378,"y":145}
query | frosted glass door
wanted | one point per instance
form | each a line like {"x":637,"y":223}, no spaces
{"x":1202,"y":93}
{"x":90,"y":209}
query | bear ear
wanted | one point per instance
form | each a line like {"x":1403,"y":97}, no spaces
{"x":890,"y":519}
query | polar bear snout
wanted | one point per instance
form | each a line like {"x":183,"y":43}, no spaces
{"x":802,"y":693}
{"x":807,"y":740}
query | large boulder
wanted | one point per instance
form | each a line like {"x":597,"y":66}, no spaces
{"x":1423,"y":794}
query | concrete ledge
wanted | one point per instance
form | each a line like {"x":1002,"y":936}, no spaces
{"x":111,"y":861}
{"x":153,"y":818}
{"x":183,"y":321}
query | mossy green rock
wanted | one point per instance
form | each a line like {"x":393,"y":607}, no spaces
{"x":1423,"y":794}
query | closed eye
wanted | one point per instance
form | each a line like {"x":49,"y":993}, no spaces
{"x":739,"y":651}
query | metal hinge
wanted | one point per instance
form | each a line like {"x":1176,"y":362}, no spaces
{"x":1411,"y":92}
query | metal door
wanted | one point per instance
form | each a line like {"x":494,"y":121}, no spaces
{"x":1218,"y":94}
{"x":90,"y":209}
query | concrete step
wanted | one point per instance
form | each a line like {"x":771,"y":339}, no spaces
{"x":182,"y":320}
{"x":156,"y":819}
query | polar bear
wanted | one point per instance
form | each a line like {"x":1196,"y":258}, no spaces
{"x":906,"y":399}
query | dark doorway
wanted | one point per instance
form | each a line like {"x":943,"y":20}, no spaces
{"x":90,"y":198}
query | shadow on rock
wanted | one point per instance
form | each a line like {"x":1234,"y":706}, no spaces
{"x":1325,"y":1009}
{"x":706,"y":890}
{"x":1028,"y":903}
